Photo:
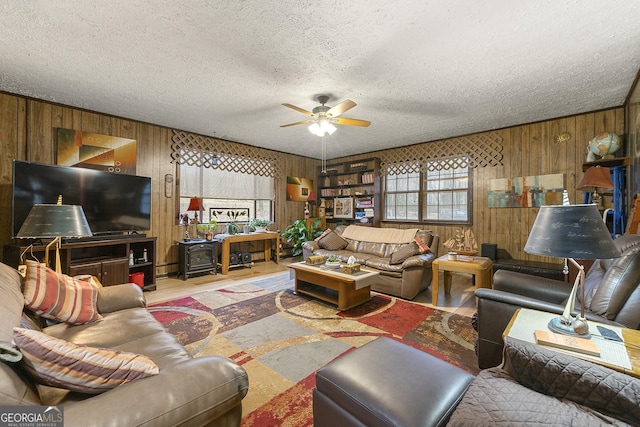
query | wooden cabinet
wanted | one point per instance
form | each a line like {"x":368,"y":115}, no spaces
{"x":197,"y":256}
{"x":351,"y":192}
{"x":106,"y":259}
{"x":109,"y":272}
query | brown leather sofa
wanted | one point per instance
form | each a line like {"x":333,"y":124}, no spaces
{"x":187,"y":391}
{"x":387,"y":383}
{"x":405,"y":280}
{"x":612,"y":289}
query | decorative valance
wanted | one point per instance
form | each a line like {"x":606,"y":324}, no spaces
{"x":197,"y":150}
{"x":478,"y":150}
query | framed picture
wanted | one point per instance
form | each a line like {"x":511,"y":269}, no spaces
{"x":343,"y":207}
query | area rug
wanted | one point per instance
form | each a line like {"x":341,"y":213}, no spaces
{"x":282,"y":339}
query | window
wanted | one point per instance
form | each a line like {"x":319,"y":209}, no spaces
{"x":223,"y":191}
{"x":401,"y":196}
{"x":443,"y":192}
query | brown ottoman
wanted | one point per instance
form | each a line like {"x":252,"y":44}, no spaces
{"x":387,"y":383}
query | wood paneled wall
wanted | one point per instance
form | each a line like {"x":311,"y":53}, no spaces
{"x":529,"y":149}
{"x":28,"y":132}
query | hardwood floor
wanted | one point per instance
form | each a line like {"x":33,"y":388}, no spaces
{"x":460,"y":301}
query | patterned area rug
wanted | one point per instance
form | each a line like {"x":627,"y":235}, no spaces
{"x":281,"y":339}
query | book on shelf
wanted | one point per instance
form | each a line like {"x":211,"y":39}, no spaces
{"x":567,"y":342}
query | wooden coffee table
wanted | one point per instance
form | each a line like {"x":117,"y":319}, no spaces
{"x":333,"y":285}
{"x":480,"y":267}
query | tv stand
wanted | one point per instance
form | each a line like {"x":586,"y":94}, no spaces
{"x":106,"y":258}
{"x":101,"y":237}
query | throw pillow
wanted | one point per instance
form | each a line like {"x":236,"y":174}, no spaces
{"x":332,"y":242}
{"x":324,"y":233}
{"x":58,"y":363}
{"x":60,"y":297}
{"x":400,"y":256}
{"x":422,"y":246}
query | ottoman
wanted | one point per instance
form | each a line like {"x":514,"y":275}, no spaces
{"x":387,"y":383}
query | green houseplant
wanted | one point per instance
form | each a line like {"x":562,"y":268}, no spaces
{"x":298,"y":233}
{"x":208,"y":229}
{"x":260,"y":224}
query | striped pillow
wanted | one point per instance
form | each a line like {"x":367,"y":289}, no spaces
{"x":58,"y":363}
{"x":60,"y":297}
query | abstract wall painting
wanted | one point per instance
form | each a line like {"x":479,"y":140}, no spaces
{"x":526,"y":191}
{"x":95,"y":151}
{"x":299,"y":189}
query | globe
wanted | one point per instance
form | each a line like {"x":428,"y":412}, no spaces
{"x":602,"y":145}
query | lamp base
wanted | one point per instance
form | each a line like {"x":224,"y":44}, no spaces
{"x":557,"y":325}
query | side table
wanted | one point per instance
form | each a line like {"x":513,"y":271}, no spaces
{"x":622,"y":357}
{"x":197,"y":256}
{"x":480,"y":267}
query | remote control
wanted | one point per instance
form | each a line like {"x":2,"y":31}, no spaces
{"x":609,"y":334}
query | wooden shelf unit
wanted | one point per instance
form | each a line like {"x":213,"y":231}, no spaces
{"x":106,"y":259}
{"x":358,"y":180}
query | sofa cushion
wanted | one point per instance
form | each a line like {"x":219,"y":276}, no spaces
{"x":377,"y":249}
{"x":324,"y":233}
{"x":383,"y":264}
{"x":58,"y":363}
{"x":406,"y":251}
{"x":59,"y":297}
{"x":333,"y":242}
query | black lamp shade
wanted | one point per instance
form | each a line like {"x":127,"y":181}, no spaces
{"x":49,"y":221}
{"x":571,"y":231}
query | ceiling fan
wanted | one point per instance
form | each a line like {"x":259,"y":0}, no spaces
{"x":324,"y":117}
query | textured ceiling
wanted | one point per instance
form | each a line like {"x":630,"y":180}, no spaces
{"x":418,"y":70}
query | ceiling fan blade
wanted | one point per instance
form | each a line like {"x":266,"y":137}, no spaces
{"x":351,"y":122}
{"x":302,"y":110}
{"x":298,"y":123}
{"x":345,"y":105}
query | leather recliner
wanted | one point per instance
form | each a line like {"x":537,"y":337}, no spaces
{"x":612,"y":295}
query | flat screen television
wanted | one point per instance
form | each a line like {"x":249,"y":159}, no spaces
{"x":113,"y":203}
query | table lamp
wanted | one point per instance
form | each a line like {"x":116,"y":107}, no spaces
{"x":57,"y":221}
{"x":571,"y":232}
{"x":195,"y":205}
{"x":594,"y":178}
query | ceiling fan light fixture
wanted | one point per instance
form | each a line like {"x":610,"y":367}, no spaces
{"x":314,"y":128}
{"x":322,"y":128}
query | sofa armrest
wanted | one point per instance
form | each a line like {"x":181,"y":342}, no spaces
{"x":120,"y":297}
{"x":541,"y":288}
{"x":191,"y":392}
{"x":557,"y":374}
{"x":423,"y":261}
{"x":308,"y":248}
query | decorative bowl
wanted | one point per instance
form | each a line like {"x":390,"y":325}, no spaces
{"x":332,"y":264}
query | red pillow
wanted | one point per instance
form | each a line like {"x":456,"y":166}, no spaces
{"x":422,"y":246}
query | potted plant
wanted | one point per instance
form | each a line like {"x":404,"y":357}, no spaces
{"x":208,"y":229}
{"x":233,"y":216}
{"x":298,"y":233}
{"x":260,"y":225}
{"x":332,"y":261}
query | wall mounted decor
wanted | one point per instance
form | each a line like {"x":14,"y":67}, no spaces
{"x":526,"y":191}
{"x":343,"y":207}
{"x":299,"y":189}
{"x":95,"y":151}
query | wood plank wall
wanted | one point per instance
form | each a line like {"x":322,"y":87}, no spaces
{"x":28,"y":132}
{"x":529,"y":149}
